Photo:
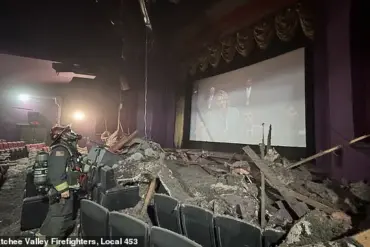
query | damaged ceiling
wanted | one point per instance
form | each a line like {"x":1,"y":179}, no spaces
{"x":22,"y":70}
{"x":106,"y":34}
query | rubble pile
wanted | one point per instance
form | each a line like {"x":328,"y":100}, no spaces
{"x":4,"y":159}
{"x":305,"y":205}
{"x":317,"y":227}
{"x":11,"y":194}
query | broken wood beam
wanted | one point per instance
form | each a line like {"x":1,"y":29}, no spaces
{"x":275,"y":182}
{"x":327,"y":151}
{"x":313,"y":202}
{"x":218,"y":155}
{"x":362,"y":238}
{"x":121,"y":143}
{"x":263,"y":201}
{"x":149,"y":195}
{"x":309,"y":201}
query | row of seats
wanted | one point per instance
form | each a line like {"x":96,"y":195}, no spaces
{"x":204,"y":228}
{"x":15,"y":149}
{"x":209,"y":230}
{"x":193,"y":222}
{"x":114,"y":225}
{"x":38,"y":146}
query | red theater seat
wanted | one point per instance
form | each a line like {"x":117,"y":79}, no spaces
{"x":6,"y":146}
{"x":17,"y":146}
{"x":10,"y":146}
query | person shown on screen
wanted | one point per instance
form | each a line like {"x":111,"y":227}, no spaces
{"x":248,"y":91}
{"x":248,"y":123}
{"x":211,"y":96}
{"x":222,"y":121}
{"x":201,"y":132}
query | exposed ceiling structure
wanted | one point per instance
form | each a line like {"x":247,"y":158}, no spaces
{"x":222,"y":18}
{"x":105,"y":35}
{"x":21,"y":70}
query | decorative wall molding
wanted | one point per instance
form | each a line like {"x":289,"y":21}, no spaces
{"x":228,"y":48}
{"x":283,"y":24}
{"x":306,"y":20}
{"x":214,"y":54}
{"x":264,"y":33}
{"x":286,"y":24}
{"x":245,"y":42}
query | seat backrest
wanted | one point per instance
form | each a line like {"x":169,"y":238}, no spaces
{"x":167,"y":212}
{"x":231,"y":232}
{"x":119,"y":198}
{"x":1,"y":146}
{"x":272,"y":237}
{"x":94,"y":219}
{"x":160,"y":237}
{"x":34,"y":211}
{"x":197,"y":224}
{"x":123,"y":225}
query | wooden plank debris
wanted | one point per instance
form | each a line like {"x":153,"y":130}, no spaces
{"x":263,"y":187}
{"x":327,"y":151}
{"x":208,"y":154}
{"x":313,"y":203}
{"x":121,"y":143}
{"x":149,"y":195}
{"x":275,"y":182}
{"x":362,"y":238}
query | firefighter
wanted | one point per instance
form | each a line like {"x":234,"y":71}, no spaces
{"x":62,"y":179}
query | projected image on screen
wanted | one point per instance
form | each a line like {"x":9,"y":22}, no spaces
{"x":231,"y":107}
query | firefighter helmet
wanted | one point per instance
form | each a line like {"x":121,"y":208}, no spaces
{"x":64,"y":133}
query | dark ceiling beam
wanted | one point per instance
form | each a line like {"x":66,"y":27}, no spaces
{"x":243,"y":16}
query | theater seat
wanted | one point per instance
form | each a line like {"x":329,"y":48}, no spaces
{"x":24,"y":152}
{"x":231,"y":232}
{"x":34,"y":211}
{"x":272,"y":237}
{"x":94,"y":219}
{"x":197,"y":225}
{"x":119,"y":198}
{"x":6,"y":146}
{"x":2,"y":149}
{"x":160,"y":237}
{"x":30,"y":188}
{"x":167,"y":212}
{"x":123,"y":225}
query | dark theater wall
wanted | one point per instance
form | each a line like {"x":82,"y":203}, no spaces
{"x":360,"y":56}
{"x":163,"y":81}
{"x":333,"y":78}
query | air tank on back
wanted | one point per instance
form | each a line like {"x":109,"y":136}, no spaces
{"x":40,"y":172}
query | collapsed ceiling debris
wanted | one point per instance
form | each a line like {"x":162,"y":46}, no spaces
{"x":302,"y":204}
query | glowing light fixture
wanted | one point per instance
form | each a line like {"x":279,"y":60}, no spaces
{"x":78,"y":115}
{"x":24,"y":97}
